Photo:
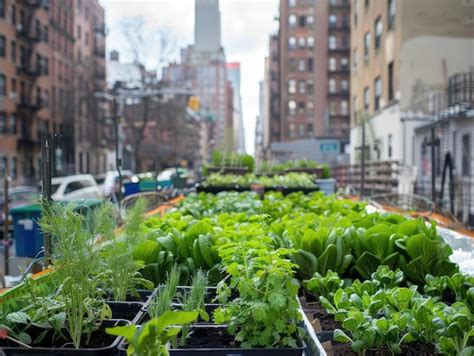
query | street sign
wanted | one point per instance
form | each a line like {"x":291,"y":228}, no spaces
{"x":329,"y":147}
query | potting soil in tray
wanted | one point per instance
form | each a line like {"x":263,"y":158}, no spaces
{"x":412,"y":349}
{"x":326,"y":320}
{"x":130,"y":311}
{"x":100,"y":343}
{"x":215,"y":340}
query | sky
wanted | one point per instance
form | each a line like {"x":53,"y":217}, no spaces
{"x":245,"y":29}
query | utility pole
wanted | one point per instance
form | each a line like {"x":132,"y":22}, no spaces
{"x":118,"y":160}
{"x":362,"y":161}
{"x":6,"y":240}
{"x":46,"y":159}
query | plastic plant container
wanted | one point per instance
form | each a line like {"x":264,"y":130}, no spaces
{"x":228,"y":351}
{"x":327,"y":186}
{"x":131,"y":311}
{"x":57,"y":350}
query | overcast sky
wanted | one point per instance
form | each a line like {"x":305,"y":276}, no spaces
{"x":246,"y":26}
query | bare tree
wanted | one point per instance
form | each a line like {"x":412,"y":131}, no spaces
{"x":151,"y":48}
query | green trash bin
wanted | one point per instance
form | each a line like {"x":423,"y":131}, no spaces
{"x":27,"y":233}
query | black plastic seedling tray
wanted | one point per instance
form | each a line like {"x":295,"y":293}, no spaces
{"x":111,"y":349}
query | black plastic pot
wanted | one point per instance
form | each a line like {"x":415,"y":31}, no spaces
{"x":217,"y":189}
{"x":143,"y":296}
{"x":110,"y":349}
{"x":234,"y":351}
{"x":131,"y":311}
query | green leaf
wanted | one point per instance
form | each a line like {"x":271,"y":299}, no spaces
{"x":175,"y":318}
{"x":327,"y":260}
{"x":146,"y":251}
{"x":341,"y":336}
{"x":127,"y":331}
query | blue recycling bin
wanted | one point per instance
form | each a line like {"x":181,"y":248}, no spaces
{"x":27,"y":233}
{"x":130,"y":188}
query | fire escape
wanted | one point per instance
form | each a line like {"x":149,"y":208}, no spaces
{"x":29,"y":68}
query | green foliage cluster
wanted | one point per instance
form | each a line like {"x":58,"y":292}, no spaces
{"x":288,"y":180}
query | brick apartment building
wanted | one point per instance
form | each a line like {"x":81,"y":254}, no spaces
{"x":309,"y":59}
{"x":37,"y":81}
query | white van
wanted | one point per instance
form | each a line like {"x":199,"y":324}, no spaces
{"x":79,"y":186}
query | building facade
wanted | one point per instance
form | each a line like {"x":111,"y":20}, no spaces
{"x":312,"y":73}
{"x":37,"y":83}
{"x":403,"y":52}
{"x":233,"y":74}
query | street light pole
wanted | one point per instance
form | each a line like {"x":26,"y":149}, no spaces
{"x":118,"y":161}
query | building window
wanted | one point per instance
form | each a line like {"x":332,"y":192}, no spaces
{"x":13,"y":14}
{"x":13,"y":168}
{"x":2,"y":46}
{"x":2,"y":8}
{"x":3,"y":122}
{"x":310,"y":64}
{"x":3,"y":85}
{"x":377,"y":92}
{"x":332,"y":20}
{"x":344,"y":108}
{"x":292,"y":42}
{"x":13,"y":87}
{"x":292,"y":21}
{"x":310,"y":21}
{"x":333,"y":108}
{"x":356,"y":108}
{"x":366,"y":98}
{"x":391,"y":14}
{"x":466,"y":155}
{"x":378,"y":28}
{"x":302,"y":21}
{"x":302,"y":130}
{"x":46,"y":99}
{"x":301,"y":65}
{"x":38,"y":97}
{"x":13,"y":51}
{"x":366,"y":4}
{"x":366,"y":47}
{"x":310,"y":86}
{"x":12,"y":123}
{"x":291,"y":3}
{"x":292,"y":65}
{"x":301,"y":107}
{"x":390,"y":81}
{"x":344,"y":63}
{"x":356,"y":11}
{"x":332,"y":42}
{"x":46,"y":34}
{"x":390,"y":143}
{"x":291,"y":86}
{"x":332,"y":86}
{"x":292,"y":107}
{"x":344,"y":85}
{"x":310,"y":129}
{"x":310,"y":41}
{"x":355,"y":59}
{"x":309,"y":107}
{"x":292,"y":130}
{"x":332,"y":64}
{"x":3,"y":167}
{"x":302,"y":42}
{"x":302,"y":87}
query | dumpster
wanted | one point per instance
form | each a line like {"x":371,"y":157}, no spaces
{"x":27,"y":233}
{"x":28,"y":236}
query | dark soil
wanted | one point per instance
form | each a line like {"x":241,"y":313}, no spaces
{"x":125,"y":310}
{"x":210,"y":338}
{"x":413,"y":349}
{"x":326,"y":320}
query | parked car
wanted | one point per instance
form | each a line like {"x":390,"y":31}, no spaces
{"x":107,"y":181}
{"x":17,"y":197}
{"x":79,"y":186}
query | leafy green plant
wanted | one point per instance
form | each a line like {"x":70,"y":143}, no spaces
{"x":266,"y":310}
{"x":77,"y":270}
{"x":166,"y":294}
{"x":459,"y":287}
{"x":455,"y":330}
{"x":325,"y":286}
{"x":387,"y":278}
{"x":152,"y":338}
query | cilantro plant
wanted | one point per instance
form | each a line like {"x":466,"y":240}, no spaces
{"x":266,"y":312}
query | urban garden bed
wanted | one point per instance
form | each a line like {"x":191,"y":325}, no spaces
{"x":222,"y":274}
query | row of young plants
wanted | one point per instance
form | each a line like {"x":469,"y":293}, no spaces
{"x":257,"y":251}
{"x":288,"y":180}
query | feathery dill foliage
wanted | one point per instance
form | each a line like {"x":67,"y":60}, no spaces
{"x":133,"y":219}
{"x":105,"y":221}
{"x":166,"y":293}
{"x":77,"y":267}
{"x":193,"y":301}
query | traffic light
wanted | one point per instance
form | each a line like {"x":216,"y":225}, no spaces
{"x":194,"y":103}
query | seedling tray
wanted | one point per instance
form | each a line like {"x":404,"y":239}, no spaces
{"x":111,"y":349}
{"x":131,"y":311}
{"x":234,"y":351}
